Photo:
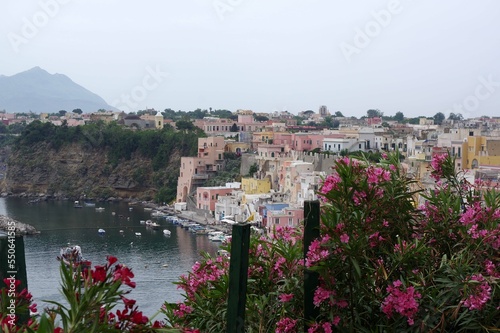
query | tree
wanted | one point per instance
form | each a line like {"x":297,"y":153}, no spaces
{"x":62,"y":113}
{"x":234,"y":128}
{"x":328,"y":121}
{"x":372,"y":113}
{"x":438,"y":118}
{"x":78,"y":111}
{"x":184,"y":125}
{"x":457,"y":116}
{"x":260,"y":118}
{"x":399,"y":117}
{"x":338,"y":114}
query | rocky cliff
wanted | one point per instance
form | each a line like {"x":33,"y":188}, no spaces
{"x":75,"y":170}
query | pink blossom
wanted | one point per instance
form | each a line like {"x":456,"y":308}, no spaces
{"x":286,"y":325}
{"x":320,"y":295}
{"x":401,"y":301}
{"x":344,"y":238}
{"x":479,"y":294}
{"x":285,"y":297}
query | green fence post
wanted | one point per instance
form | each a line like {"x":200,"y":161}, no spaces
{"x":13,"y":265}
{"x":311,"y":232}
{"x":238,"y":276}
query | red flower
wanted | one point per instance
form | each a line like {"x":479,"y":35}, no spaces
{"x":58,"y":330}
{"x":99,"y":274}
{"x":138,"y":318}
{"x":129,"y":303}
{"x":124,"y":274}
{"x":111,"y":260}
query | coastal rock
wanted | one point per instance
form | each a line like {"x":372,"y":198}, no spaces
{"x":21,"y":228}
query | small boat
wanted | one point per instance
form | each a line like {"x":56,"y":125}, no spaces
{"x":101,"y":231}
{"x":89,"y":204}
{"x":166,"y":232}
{"x":157,"y":213}
{"x":72,"y":256}
{"x":100,"y":209}
{"x":77,"y":204}
{"x":121,"y":231}
{"x":142,"y":222}
{"x":130,"y":209}
{"x":154,"y":226}
{"x":138,"y":234}
{"x":149,"y":222}
{"x":148,"y":209}
{"x":113,"y":213}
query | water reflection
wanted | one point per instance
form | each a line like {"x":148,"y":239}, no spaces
{"x":156,"y":260}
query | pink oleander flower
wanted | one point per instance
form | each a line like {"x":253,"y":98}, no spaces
{"x":286,"y":325}
{"x":437,"y":165}
{"x":321,"y":294}
{"x":402,"y":301}
{"x":331,"y":182}
{"x":480,"y":293}
{"x":285,"y":297}
{"x":344,"y":238}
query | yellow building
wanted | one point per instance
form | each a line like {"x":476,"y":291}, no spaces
{"x":480,"y":151}
{"x":255,"y":186}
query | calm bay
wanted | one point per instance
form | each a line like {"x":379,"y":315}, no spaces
{"x":156,"y":260}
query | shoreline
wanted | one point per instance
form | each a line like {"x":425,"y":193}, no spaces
{"x":21,"y":229}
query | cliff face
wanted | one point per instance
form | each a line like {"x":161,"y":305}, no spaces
{"x":75,"y":170}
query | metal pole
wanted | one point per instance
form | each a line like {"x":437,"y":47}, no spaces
{"x":238,"y":276}
{"x":311,"y":278}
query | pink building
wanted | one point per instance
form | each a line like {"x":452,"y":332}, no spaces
{"x":287,"y":217}
{"x":206,"y":197}
{"x":195,"y":170}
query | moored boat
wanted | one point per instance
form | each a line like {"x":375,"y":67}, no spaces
{"x":167,"y":232}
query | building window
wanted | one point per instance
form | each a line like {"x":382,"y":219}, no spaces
{"x":290,"y":221}
{"x":276,"y":220}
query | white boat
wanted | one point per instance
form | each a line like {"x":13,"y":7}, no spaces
{"x":148,"y":209}
{"x":142,"y":222}
{"x":72,"y":255}
{"x":149,"y":222}
{"x":216,"y":236}
{"x":138,"y":234}
{"x":101,"y":231}
{"x":77,"y":204}
{"x":154,"y":226}
{"x":166,"y":232}
{"x":157,"y":213}
{"x":100,"y":209}
{"x":89,"y":204}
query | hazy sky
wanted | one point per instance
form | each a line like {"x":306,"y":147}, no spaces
{"x":417,"y":57}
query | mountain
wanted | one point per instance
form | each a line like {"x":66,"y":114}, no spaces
{"x":37,"y":90}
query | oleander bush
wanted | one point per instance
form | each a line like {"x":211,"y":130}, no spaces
{"x":391,"y":257}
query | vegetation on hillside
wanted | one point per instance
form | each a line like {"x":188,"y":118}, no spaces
{"x":156,"y":147}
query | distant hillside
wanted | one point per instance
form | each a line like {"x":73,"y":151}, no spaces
{"x":38,"y":91}
{"x":97,"y":160}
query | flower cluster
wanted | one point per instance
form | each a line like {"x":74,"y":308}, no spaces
{"x":92,"y":293}
{"x":401,"y":300}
